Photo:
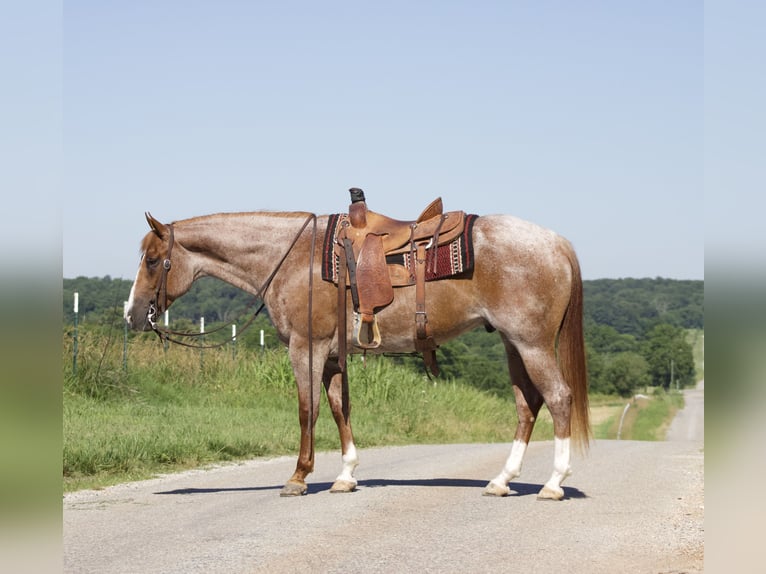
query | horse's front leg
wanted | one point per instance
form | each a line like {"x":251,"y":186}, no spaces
{"x":309,"y":391}
{"x":340,"y":404}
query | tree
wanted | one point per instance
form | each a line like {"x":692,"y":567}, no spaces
{"x":606,"y":339}
{"x":669,"y":356}
{"x":635,"y":306}
{"x":596,"y":381}
{"x":626,"y":372}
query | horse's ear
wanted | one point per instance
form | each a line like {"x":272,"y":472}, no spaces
{"x":160,"y":229}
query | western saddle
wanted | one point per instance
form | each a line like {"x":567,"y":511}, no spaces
{"x":363,"y":242}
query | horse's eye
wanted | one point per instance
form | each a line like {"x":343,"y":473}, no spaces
{"x":152,"y":262}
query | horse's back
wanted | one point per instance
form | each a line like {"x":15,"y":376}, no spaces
{"x":518,"y":246}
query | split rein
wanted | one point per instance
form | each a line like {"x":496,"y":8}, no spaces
{"x":165,"y":334}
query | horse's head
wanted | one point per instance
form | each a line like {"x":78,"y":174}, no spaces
{"x":163,"y":275}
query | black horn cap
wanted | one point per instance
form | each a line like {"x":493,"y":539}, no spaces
{"x":356,"y":194}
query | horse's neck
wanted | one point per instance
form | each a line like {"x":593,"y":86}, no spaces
{"x":241,"y":249}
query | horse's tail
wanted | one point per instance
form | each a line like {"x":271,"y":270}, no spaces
{"x":572,"y":357}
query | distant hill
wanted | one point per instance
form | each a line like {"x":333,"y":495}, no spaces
{"x":631,"y":306}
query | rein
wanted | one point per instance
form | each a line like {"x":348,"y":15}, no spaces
{"x":161,"y":294}
{"x":164,"y":334}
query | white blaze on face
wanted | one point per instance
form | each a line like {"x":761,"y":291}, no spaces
{"x":129,"y":306}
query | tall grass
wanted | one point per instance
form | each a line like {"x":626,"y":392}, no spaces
{"x":183,"y":408}
{"x":654,"y":418}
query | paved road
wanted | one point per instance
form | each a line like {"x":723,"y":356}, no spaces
{"x":630,"y":507}
{"x":689,"y":423}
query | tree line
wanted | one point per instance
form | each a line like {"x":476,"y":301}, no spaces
{"x":635,"y":329}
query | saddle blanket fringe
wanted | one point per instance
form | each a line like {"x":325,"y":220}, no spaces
{"x":452,"y":259}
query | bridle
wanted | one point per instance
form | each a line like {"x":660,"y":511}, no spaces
{"x":161,"y":293}
{"x":162,"y":286}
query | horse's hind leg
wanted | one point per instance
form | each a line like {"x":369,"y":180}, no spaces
{"x":528,"y":403}
{"x":340,"y":405}
{"x":544,"y":372}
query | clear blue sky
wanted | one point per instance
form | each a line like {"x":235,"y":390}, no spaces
{"x":585,"y":117}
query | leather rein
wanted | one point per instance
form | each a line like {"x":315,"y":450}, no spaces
{"x":161,"y":293}
{"x":164,"y":333}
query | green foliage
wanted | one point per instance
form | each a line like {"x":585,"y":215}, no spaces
{"x":625,"y":372}
{"x":620,"y":317}
{"x":669,"y":356}
{"x":216,"y":301}
{"x":619,"y":363}
{"x":98,"y":298}
{"x":606,"y":339}
{"x":614,"y":363}
{"x":634,"y":306}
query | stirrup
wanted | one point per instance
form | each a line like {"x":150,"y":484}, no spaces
{"x":366,"y":335}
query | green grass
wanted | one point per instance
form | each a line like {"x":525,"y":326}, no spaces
{"x":646,"y":419}
{"x":178,"y":409}
{"x":175,"y":410}
{"x":654,"y":418}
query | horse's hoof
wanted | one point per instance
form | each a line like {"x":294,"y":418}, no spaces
{"x":293,"y":489}
{"x":548,"y":493}
{"x":343,"y":486}
{"x":494,"y":489}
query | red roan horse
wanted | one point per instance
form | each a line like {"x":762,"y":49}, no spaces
{"x":526,"y":284}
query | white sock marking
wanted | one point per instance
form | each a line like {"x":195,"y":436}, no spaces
{"x":350,"y":462}
{"x":561,"y":468}
{"x":512,"y":467}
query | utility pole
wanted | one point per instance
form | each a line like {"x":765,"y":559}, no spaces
{"x":672,"y":365}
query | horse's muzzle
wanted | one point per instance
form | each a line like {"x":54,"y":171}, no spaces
{"x":142,"y":322}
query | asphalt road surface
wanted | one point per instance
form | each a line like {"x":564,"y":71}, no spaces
{"x":630,"y":507}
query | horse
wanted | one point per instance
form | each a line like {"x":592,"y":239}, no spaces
{"x":526,"y":284}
